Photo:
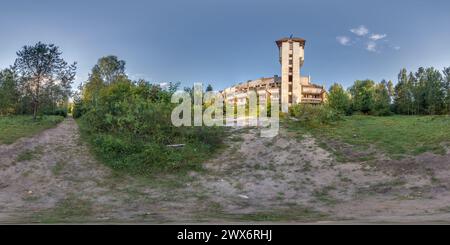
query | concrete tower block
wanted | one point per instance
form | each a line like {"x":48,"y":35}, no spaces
{"x":291,"y":59}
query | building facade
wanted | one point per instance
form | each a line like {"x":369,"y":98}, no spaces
{"x":290,"y":88}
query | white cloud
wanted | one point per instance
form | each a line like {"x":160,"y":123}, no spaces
{"x":377,"y":37}
{"x":370,"y":41}
{"x":164,"y":85}
{"x":371,"y":46}
{"x":343,"y":40}
{"x":360,"y":31}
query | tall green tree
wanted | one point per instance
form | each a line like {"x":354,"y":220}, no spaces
{"x":362,"y":93}
{"x":338,"y":99}
{"x":41,"y":67}
{"x":403,"y":98}
{"x":419,"y":91}
{"x":382,"y":100}
{"x":391,"y":90}
{"x":446,"y":73}
{"x":209,"y":88}
{"x":434,"y":92}
{"x":107,"y":70}
{"x":9,"y":92}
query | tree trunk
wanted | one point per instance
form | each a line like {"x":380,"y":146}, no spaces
{"x":35,"y":107}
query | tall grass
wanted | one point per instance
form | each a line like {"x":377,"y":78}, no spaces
{"x":131,"y":132}
{"x":14,"y":127}
{"x":314,"y":115}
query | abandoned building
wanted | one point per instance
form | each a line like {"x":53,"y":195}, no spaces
{"x":289,"y":88}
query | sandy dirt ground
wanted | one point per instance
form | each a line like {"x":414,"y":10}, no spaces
{"x":53,"y":178}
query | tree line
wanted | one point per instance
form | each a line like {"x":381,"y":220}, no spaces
{"x":425,"y":92}
{"x":39,"y":82}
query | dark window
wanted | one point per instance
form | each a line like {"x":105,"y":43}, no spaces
{"x":291,"y":79}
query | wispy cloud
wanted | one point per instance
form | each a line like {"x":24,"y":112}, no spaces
{"x":138,"y":76}
{"x":363,"y":38}
{"x":371,"y":46}
{"x":164,"y":85}
{"x":343,"y":40}
{"x":377,"y":37}
{"x":360,"y":31}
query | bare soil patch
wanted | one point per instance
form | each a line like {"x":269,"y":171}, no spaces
{"x":52,"y":177}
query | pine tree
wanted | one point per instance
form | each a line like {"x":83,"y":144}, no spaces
{"x":434,"y":92}
{"x":402,"y":98}
{"x":419,"y":95}
{"x":413,"y":94}
{"x":446,"y":72}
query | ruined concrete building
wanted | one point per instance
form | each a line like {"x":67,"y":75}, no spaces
{"x":290,"y":88}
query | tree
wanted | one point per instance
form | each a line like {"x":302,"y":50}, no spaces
{"x":382,"y":100}
{"x":338,"y":99}
{"x":403,"y":97}
{"x":9,"y":92}
{"x":209,"y":88}
{"x":362,"y":96}
{"x":419,"y":90}
{"x":109,"y":68}
{"x":424,"y":92}
{"x":41,"y":67}
{"x":391,"y":91}
{"x":434,"y":92}
{"x":446,"y":72}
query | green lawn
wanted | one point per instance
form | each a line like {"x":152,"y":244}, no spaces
{"x":14,"y":127}
{"x":395,"y":135}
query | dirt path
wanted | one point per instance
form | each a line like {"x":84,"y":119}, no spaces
{"x":41,"y":172}
{"x":52,"y":177}
{"x":294,"y":179}
{"x":285,"y":173}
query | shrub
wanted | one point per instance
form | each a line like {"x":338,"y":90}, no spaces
{"x":314,"y":115}
{"x":58,"y":112}
{"x":78,"y":109}
{"x":130,"y":131}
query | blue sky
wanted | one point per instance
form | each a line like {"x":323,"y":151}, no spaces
{"x":226,"y":42}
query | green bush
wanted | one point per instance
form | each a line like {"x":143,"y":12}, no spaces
{"x":314,"y":115}
{"x":131,"y":131}
{"x":78,"y":110}
{"x":58,"y":112}
{"x":15,"y":127}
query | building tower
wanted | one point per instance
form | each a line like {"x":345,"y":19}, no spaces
{"x":292,"y":57}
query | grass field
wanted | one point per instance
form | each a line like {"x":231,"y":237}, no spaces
{"x":14,"y":127}
{"x":395,"y":135}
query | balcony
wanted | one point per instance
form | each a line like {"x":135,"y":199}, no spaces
{"x":311,"y":100}
{"x":311,"y":90}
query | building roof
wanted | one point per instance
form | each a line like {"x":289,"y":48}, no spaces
{"x":294,"y":39}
